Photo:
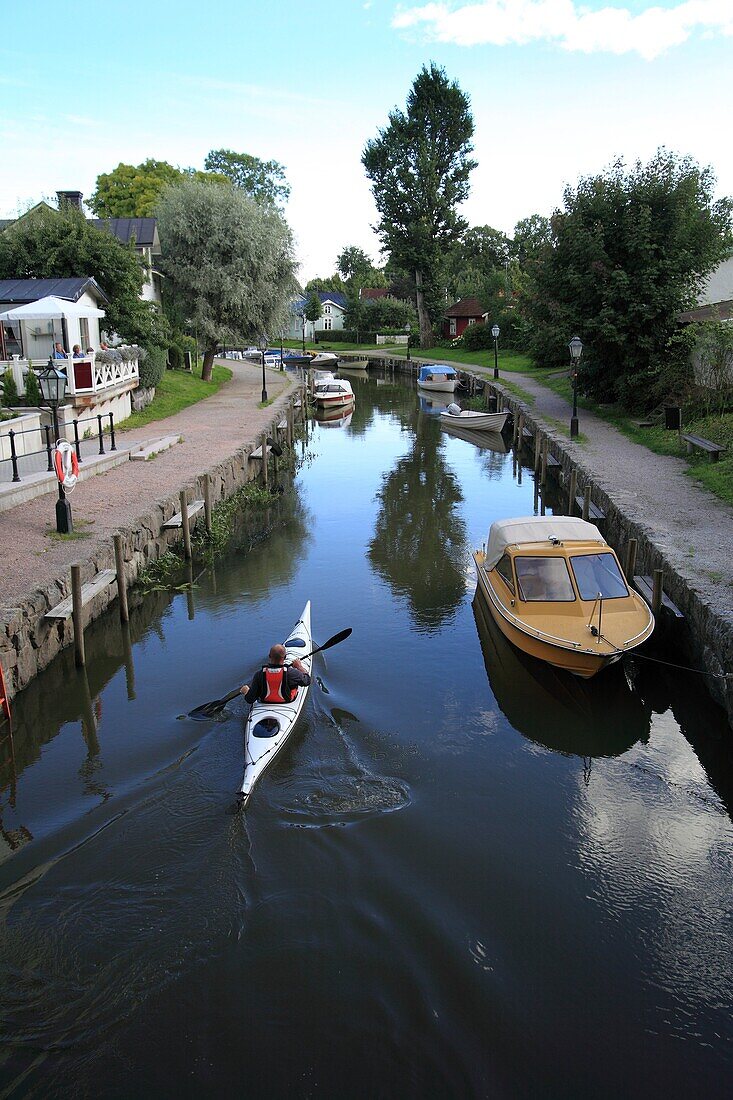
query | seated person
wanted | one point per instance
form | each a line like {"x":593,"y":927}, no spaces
{"x":276,"y":682}
{"x":77,"y":352}
{"x":58,"y":351}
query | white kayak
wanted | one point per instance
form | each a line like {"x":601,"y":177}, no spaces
{"x":270,"y":724}
{"x":475,"y":421}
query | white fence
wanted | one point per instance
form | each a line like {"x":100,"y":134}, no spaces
{"x":85,"y":376}
{"x":392,"y":339}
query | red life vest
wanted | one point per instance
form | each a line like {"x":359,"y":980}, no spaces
{"x":275,"y":687}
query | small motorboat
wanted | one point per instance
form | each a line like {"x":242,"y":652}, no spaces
{"x":322,"y":357}
{"x":319,"y":376}
{"x":354,"y":366}
{"x":333,"y":392}
{"x":296,"y":359}
{"x":437,"y":377}
{"x":270,"y":724}
{"x":474,"y":421}
{"x":556,"y":590}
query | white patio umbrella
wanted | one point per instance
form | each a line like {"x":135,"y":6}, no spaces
{"x":50,"y":308}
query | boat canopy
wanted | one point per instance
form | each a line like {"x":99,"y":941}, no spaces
{"x":509,"y":532}
{"x":436,"y":368}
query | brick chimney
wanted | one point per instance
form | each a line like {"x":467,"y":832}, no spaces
{"x":70,"y":198}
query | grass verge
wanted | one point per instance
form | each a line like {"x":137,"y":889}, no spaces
{"x":175,"y":391}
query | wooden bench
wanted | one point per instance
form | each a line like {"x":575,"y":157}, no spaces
{"x":257,"y":453}
{"x":552,"y":462}
{"x":713,"y":449}
{"x":594,"y":512}
{"x":176,"y":521}
{"x":526,"y":433}
{"x":645,"y":422}
{"x":89,"y":590}
{"x":645,"y":587}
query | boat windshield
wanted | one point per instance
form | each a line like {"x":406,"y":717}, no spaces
{"x":598,"y":574}
{"x":544,"y":579}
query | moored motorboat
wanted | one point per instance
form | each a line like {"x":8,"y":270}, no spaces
{"x":438,"y":377}
{"x":295,"y":359}
{"x":355,"y":366}
{"x":474,"y":421}
{"x":324,"y":357}
{"x":270,"y":724}
{"x":333,"y":392}
{"x":556,"y":590}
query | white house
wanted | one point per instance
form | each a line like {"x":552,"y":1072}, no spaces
{"x":333,"y":311}
{"x":35,"y":339}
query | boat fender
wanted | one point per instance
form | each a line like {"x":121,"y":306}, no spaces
{"x":66,"y":464}
{"x":453,"y":409}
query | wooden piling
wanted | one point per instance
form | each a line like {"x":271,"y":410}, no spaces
{"x":207,"y":503}
{"x":537,"y":448}
{"x":289,"y":418}
{"x":520,"y":431}
{"x":264,"y":460}
{"x":543,"y":467}
{"x":631,"y":559}
{"x":657,"y":591}
{"x":586,"y":501}
{"x":121,"y":585}
{"x":572,"y":491}
{"x":185,"y":526}
{"x":77,"y":616}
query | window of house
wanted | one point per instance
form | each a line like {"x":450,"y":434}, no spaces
{"x":326,"y":309}
{"x":84,"y":333}
{"x":504,"y":569}
{"x":326,"y":323}
{"x":452,"y":326}
{"x":472,"y":320}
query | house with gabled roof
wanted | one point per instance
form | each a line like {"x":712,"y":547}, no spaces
{"x":35,"y":339}
{"x":464,"y":312}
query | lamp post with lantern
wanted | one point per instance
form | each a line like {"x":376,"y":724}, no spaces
{"x":53,"y":388}
{"x":576,"y":350}
{"x":263,"y":349}
{"x":495,"y":333}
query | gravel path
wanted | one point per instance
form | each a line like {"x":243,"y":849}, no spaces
{"x":212,"y":430}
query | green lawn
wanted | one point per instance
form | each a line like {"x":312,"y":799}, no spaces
{"x":508,"y":360}
{"x":175,"y":391}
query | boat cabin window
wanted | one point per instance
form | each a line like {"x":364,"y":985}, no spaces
{"x":504,"y":569}
{"x":598,"y":573}
{"x":544,"y":579}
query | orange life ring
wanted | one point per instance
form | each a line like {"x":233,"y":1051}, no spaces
{"x":66,"y":464}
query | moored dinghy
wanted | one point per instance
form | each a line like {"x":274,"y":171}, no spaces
{"x":270,"y":724}
{"x":474,"y":421}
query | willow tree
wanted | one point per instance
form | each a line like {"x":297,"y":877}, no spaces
{"x":419,"y":167}
{"x":229,"y":261}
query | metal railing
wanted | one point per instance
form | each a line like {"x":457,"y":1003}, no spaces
{"x":35,"y":463}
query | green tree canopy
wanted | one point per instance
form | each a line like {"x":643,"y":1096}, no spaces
{"x":62,"y":244}
{"x":378,"y":314}
{"x":313,"y":308}
{"x":333,"y":282}
{"x":419,"y":166}
{"x":530,"y":236}
{"x":627,"y":253}
{"x":355,"y":267}
{"x":229,"y":260}
{"x":133,"y":191}
{"x":264,"y":180}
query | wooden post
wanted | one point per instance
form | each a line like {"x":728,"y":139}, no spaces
{"x":520,"y":431}
{"x":264,"y":459}
{"x":572,"y":491}
{"x":537,"y":447}
{"x":290,"y":423}
{"x":77,"y":616}
{"x":657,"y":591}
{"x":630,"y":559}
{"x":129,"y":666}
{"x":543,"y":469}
{"x":185,"y":525}
{"x":121,"y":586}
{"x":586,"y":500}
{"x":207,"y":503}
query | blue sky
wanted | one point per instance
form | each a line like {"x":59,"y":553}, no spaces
{"x":559,"y":88}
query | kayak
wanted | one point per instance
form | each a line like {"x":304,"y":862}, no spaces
{"x":270,"y":724}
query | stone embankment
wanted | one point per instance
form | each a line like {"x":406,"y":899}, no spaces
{"x":679,"y":526}
{"x":132,"y":499}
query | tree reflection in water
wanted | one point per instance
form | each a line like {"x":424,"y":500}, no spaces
{"x":420,"y":539}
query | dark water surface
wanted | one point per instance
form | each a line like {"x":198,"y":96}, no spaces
{"x":466,"y":875}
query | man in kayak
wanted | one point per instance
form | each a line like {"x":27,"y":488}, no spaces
{"x":276,"y":682}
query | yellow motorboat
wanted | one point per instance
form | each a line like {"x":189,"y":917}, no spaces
{"x":556,"y":590}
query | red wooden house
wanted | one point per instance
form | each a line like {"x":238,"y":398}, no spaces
{"x":464,"y":312}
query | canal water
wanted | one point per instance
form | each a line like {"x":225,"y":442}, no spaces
{"x":465,"y":876}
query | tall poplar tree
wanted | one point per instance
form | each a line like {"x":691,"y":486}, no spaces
{"x":419,"y":167}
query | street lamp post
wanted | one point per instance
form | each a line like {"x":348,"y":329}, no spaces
{"x":408,"y":330}
{"x":495,"y":333}
{"x":263,"y":349}
{"x":302,"y":318}
{"x":576,"y":350}
{"x":53,"y":388}
{"x":282,"y":338}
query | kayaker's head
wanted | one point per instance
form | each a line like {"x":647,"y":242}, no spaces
{"x":277,"y":654}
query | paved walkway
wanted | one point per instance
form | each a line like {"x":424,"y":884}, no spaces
{"x":211,"y":431}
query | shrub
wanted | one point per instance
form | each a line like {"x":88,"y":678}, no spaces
{"x":32,"y":389}
{"x":477,"y":338}
{"x":151,"y":366}
{"x":10,"y":390}
{"x":129,"y":352}
{"x":175,"y":357}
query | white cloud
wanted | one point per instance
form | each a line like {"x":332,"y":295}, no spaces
{"x":569,"y":24}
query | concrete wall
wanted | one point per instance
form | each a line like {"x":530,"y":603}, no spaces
{"x":718,"y":287}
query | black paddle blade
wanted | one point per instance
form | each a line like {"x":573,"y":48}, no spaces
{"x":208,"y":710}
{"x":340,"y":637}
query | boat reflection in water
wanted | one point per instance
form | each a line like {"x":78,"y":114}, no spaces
{"x":488,"y":441}
{"x":339,"y":417}
{"x":434,"y":403}
{"x":553,"y":708}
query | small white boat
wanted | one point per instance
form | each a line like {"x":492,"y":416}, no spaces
{"x":333,"y":392}
{"x":270,"y":724}
{"x":437,"y":377}
{"x":354,"y":366}
{"x":319,"y":376}
{"x":475,"y":421}
{"x":324,"y":357}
